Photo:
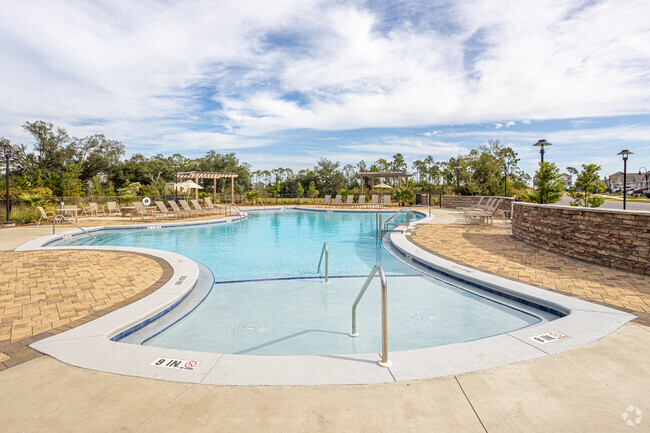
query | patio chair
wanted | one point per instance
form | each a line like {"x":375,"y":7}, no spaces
{"x":199,"y":208}
{"x":164,"y":211}
{"x":142,"y":211}
{"x":44,"y":215}
{"x":186,"y":207}
{"x":337,"y":200}
{"x":113,"y":208}
{"x":85,"y":210}
{"x":96,"y":210}
{"x":349,"y":201}
{"x":386,"y":200}
{"x":374,"y":202}
{"x":177,"y":210}
{"x":362,"y":201}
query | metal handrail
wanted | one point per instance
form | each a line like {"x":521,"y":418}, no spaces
{"x":422,"y":205}
{"x":70,"y":221}
{"x":324,"y":251}
{"x":408,"y":217}
{"x":237,"y":208}
{"x":384,"y":313}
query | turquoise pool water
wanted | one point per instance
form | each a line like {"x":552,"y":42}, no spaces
{"x":299,"y":315}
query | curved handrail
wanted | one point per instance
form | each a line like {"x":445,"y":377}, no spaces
{"x":260,"y":200}
{"x":384,"y":312}
{"x":408,"y":217}
{"x":422,"y":205}
{"x":237,"y":208}
{"x":70,"y":221}
{"x":325,"y":251}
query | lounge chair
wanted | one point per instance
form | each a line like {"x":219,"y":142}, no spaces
{"x":96,"y":210}
{"x":199,"y":208}
{"x":375,"y":201}
{"x":188,"y":209}
{"x":176,"y":209}
{"x":113,"y":208}
{"x":386,"y":200}
{"x":483,"y":215}
{"x":327,"y":200}
{"x":349,"y":201}
{"x":44,"y":215}
{"x":337,"y":200}
{"x":362,"y":201}
{"x":208,"y":204}
{"x":142,"y":211}
{"x":477,"y":206}
{"x":164,"y":211}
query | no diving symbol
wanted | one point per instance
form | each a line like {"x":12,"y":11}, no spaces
{"x":190,"y":364}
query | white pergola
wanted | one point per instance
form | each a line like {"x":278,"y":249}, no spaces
{"x":383,"y":175}
{"x":196,"y":175}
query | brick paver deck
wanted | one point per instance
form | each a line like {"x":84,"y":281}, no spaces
{"x":43,"y":293}
{"x":494,"y":250}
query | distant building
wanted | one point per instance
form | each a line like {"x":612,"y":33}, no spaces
{"x":567,"y":180}
{"x":634,"y":181}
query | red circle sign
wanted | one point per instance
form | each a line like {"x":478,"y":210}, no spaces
{"x":190,"y":364}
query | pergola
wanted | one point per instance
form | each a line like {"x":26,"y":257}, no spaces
{"x":196,"y":175}
{"x":383,"y":174}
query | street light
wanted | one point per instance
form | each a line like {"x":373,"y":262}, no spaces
{"x":276,"y":185}
{"x":457,"y":179}
{"x":542,"y":143}
{"x":646,"y":176}
{"x":7,"y":150}
{"x":505,"y":181}
{"x":624,"y":153}
{"x":176,"y":167}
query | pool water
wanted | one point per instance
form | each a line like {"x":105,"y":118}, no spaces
{"x":288,"y":310}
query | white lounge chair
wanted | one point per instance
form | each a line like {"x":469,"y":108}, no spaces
{"x":142,"y":211}
{"x":362,"y":201}
{"x":374,"y":202}
{"x":113,"y":208}
{"x":164,"y":211}
{"x":177,"y":210}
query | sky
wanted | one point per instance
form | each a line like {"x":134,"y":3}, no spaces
{"x":283,"y":83}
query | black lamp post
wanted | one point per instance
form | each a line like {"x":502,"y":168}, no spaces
{"x":624,"y":153}
{"x":176,"y":167}
{"x":276,"y":185}
{"x":542,"y":143}
{"x":646,"y":176}
{"x":457,"y":179}
{"x":7,"y":150}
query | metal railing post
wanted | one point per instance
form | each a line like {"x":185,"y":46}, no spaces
{"x":384,"y":312}
{"x":325,"y":251}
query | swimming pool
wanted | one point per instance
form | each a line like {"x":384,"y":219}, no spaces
{"x":268,"y":299}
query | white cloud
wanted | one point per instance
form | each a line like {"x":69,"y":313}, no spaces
{"x":193,"y":76}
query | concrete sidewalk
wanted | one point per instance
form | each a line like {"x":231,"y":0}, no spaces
{"x":583,"y":390}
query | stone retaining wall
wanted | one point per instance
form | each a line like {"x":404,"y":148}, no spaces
{"x":620,"y":239}
{"x":455,"y":201}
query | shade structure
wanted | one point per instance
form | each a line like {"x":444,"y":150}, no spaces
{"x":384,"y":174}
{"x":188,"y":184}
{"x":383,"y":185}
{"x":196,"y":175}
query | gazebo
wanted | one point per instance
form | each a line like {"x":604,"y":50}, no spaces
{"x":196,"y":175}
{"x":383,"y":174}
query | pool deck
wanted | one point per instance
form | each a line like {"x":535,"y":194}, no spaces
{"x":585,"y":389}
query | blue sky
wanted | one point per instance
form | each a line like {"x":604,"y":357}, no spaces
{"x":287,"y":82}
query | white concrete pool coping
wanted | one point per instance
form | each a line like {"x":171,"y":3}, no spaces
{"x":89,"y":345}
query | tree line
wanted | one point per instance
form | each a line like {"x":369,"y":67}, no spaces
{"x":61,"y":165}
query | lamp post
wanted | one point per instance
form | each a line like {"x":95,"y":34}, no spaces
{"x":505,"y":180}
{"x":7,"y":150}
{"x":624,"y":154}
{"x":176,"y":167}
{"x":276,"y":185}
{"x":542,"y":143}
{"x":457,"y":179}
{"x":646,"y":176}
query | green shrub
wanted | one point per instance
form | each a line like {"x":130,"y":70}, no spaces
{"x":21,"y":214}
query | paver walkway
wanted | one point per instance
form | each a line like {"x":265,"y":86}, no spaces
{"x":43,"y":293}
{"x":492,"y":249}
